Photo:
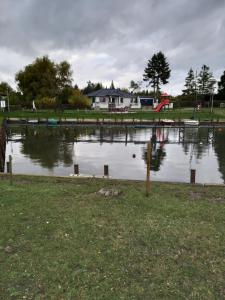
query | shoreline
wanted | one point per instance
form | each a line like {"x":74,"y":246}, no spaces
{"x":107,"y":179}
{"x":112,"y":122}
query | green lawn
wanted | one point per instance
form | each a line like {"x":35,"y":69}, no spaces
{"x":149,"y":115}
{"x":68,"y":242}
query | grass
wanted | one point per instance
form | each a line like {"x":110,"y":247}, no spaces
{"x":69,"y":242}
{"x":219,"y":114}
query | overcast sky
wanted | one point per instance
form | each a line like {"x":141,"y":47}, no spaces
{"x":108,"y":40}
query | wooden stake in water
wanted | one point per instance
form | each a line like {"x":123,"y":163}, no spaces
{"x":106,"y":171}
{"x":76,"y":169}
{"x":148,"y":169}
{"x":192,"y":177}
{"x":10,"y":168}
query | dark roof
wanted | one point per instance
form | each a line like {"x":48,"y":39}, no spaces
{"x":110,"y":92}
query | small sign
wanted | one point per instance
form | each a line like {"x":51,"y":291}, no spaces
{"x":2,"y":103}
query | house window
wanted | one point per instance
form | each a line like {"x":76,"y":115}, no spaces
{"x":113,"y":100}
{"x":121,"y":100}
{"x":93,"y":99}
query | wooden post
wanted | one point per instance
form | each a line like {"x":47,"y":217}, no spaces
{"x":193,"y":175}
{"x":126,"y":136}
{"x":106,"y":170}
{"x":76,"y":169}
{"x":10,"y":168}
{"x":148,"y":169}
{"x":7,"y":167}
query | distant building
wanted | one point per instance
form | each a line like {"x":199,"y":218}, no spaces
{"x":113,"y":98}
{"x":118,"y":99}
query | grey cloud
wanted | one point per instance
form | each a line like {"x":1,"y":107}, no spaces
{"x":126,"y":33}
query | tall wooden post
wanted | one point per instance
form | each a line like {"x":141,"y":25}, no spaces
{"x":10,"y":168}
{"x":192,"y":176}
{"x":106,"y":171}
{"x":76,"y":169}
{"x":148,"y":169}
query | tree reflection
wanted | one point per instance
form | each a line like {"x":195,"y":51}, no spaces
{"x":48,"y":146}
{"x":219,"y":146}
{"x":196,"y":140}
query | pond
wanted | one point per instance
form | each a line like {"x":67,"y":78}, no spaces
{"x":46,"y":150}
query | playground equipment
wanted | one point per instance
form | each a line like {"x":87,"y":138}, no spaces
{"x":164,"y":101}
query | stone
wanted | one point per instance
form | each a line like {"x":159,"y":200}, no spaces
{"x":9,"y":249}
{"x":109,"y":192}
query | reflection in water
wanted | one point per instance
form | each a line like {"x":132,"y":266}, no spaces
{"x":54,"y":150}
{"x":158,"y":140}
{"x":219,"y":146}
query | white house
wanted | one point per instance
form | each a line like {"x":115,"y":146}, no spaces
{"x":114,"y":98}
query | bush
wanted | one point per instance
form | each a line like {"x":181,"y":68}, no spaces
{"x":46,"y":102}
{"x":79,"y":101}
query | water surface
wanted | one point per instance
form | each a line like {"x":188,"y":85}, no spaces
{"x":54,"y":151}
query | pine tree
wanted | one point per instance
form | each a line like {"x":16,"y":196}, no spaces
{"x":112,"y":85}
{"x":221,"y":85}
{"x":206,"y":81}
{"x":190,"y":83}
{"x":157,"y":71}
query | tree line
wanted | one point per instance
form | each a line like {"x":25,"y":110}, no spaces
{"x":50,"y":84}
{"x":47,"y":83}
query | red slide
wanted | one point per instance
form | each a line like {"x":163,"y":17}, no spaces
{"x":161,"y":105}
{"x":164,"y":101}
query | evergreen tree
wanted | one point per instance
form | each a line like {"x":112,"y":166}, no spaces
{"x":190,"y":83}
{"x":91,"y":87}
{"x":206,"y":81}
{"x":112,"y":85}
{"x":157,"y":71}
{"x":221,"y":85}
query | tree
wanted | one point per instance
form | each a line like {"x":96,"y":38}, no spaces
{"x":205,"y":81}
{"x":91,"y":87}
{"x":190,"y":83}
{"x":7,"y":93}
{"x":44,"y":78}
{"x":221,"y":85}
{"x":5,"y":88}
{"x":112,"y":87}
{"x":157,"y":71}
{"x":64,"y":75}
{"x":135,"y":85}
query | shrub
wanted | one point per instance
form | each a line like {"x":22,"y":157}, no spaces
{"x":46,"y":102}
{"x":79,"y":101}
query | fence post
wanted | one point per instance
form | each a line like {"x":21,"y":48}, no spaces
{"x":7,"y":167}
{"x":10,"y":168}
{"x":193,"y":175}
{"x":76,"y":169}
{"x":106,"y":171}
{"x":148,"y":169}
